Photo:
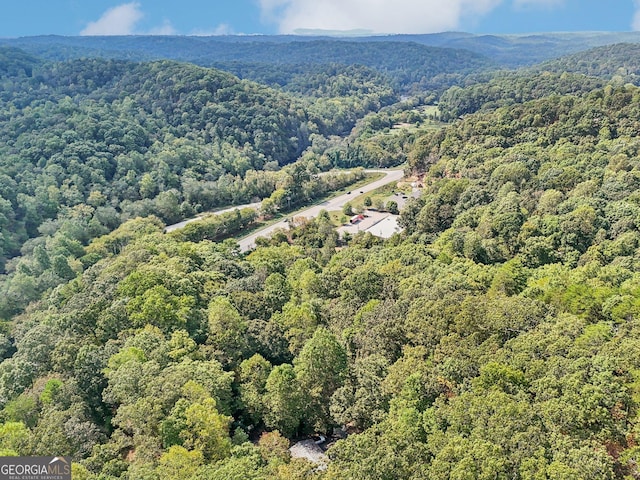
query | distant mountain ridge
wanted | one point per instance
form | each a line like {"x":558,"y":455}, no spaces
{"x":406,"y":63}
{"x":527,"y":49}
{"x":506,"y":50}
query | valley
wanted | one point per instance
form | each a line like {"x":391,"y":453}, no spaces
{"x":191,"y":279}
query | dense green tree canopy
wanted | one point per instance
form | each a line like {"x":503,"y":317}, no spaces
{"x":496,"y":337}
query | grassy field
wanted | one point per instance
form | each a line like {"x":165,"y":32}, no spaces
{"x":430,"y":110}
{"x":429,"y":115}
{"x":337,"y":218}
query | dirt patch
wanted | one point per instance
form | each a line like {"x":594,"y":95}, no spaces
{"x":308,"y":450}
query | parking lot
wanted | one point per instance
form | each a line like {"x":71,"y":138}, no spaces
{"x":380,"y":224}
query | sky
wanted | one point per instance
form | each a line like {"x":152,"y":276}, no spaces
{"x":221,"y":17}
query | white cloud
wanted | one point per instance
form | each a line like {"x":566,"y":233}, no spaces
{"x":120,"y":20}
{"x":383,"y":16}
{"x":222,"y":29}
{"x":165,"y":29}
{"x":538,"y":3}
{"x":380,"y":16}
{"x":635,"y":23}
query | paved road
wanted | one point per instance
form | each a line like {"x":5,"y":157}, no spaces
{"x":248,"y":243}
{"x":336,"y":203}
{"x":176,"y":226}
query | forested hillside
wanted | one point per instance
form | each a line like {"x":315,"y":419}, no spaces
{"x":619,"y":62}
{"x":274,"y":60}
{"x":526,"y":49}
{"x":506,"y":50}
{"x":125,"y":139}
{"x":14,"y":61}
{"x":575,"y":74}
{"x":87,"y":144}
{"x":491,"y":91}
{"x":104,"y":140}
{"x":496,"y":337}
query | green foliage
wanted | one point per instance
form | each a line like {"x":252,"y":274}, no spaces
{"x":226,"y":331}
{"x":157,"y":306}
{"x":206,"y":430}
{"x":361,"y":401}
{"x":272,"y":446}
{"x":254,"y":373}
{"x":179,"y":463}
{"x":217,"y":227}
{"x":302,"y":66}
{"x":277,"y":291}
{"x":14,"y":438}
{"x":496,"y":338}
{"x":503,"y":89}
{"x":320,"y":369}
{"x":51,"y":391}
{"x":283,"y":400}
{"x":617,"y":62}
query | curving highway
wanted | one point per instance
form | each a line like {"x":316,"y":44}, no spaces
{"x":249,"y":242}
{"x":176,"y":226}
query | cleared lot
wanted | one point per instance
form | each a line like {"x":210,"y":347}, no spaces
{"x":249,"y":242}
